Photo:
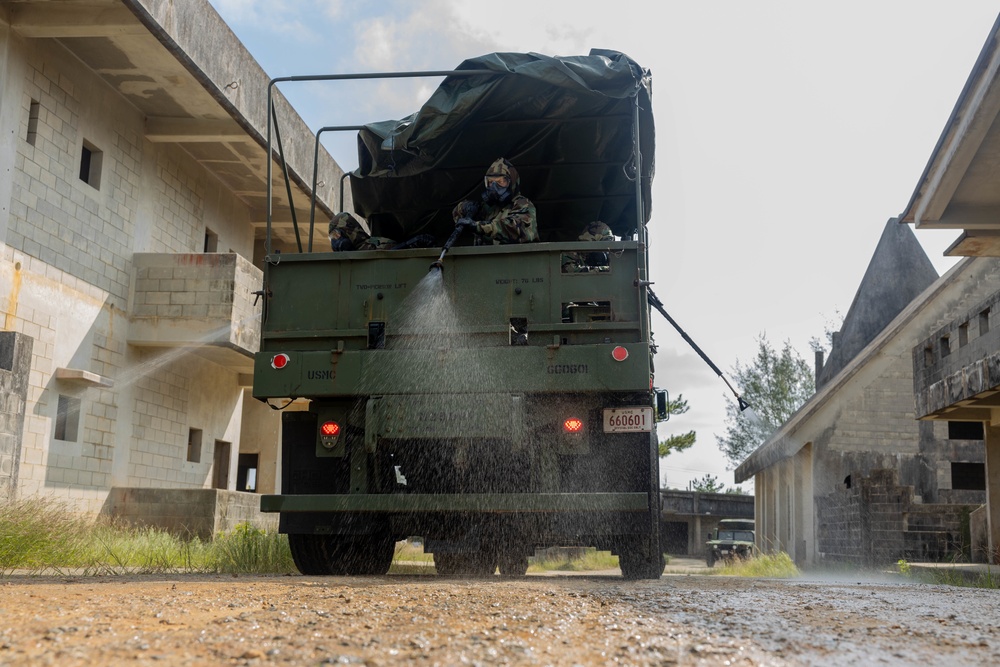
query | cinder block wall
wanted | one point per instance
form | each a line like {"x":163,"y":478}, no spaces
{"x":201,"y":513}
{"x":15,"y":366}
{"x":876,"y":522}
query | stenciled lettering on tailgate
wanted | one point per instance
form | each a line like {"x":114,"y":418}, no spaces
{"x":320,"y":375}
{"x":566,"y":369}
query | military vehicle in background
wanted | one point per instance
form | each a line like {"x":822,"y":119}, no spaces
{"x":498,"y":403}
{"x":732,"y":538}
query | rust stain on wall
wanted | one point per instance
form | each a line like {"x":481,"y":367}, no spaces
{"x":15,"y":290}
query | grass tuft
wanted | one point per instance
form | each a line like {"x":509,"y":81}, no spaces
{"x":41,"y":536}
{"x":774,"y":566}
{"x":250,"y":550}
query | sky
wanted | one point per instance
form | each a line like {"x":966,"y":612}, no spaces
{"x":787,"y":134}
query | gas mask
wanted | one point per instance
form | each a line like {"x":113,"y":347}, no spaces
{"x":340,"y":243}
{"x":496,"y":194}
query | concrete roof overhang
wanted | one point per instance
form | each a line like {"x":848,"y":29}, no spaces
{"x":180,"y":65}
{"x":959,"y":186}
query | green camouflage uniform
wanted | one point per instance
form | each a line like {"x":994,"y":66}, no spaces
{"x":345,"y":225}
{"x":512,"y":222}
{"x":583,"y":262}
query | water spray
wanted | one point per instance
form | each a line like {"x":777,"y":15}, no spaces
{"x":655,"y":302}
{"x":447,"y":246}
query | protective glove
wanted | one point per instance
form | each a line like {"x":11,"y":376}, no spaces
{"x":343,"y":243}
{"x":418,"y":241}
{"x":466,"y":222}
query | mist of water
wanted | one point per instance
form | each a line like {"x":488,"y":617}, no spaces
{"x":164,"y":356}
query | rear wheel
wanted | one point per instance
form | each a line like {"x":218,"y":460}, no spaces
{"x":513,"y":564}
{"x":638,"y":559}
{"x":313,"y":554}
{"x":340,"y":555}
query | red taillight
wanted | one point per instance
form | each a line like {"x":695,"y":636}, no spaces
{"x":279,"y":361}
{"x":619,"y":353}
{"x":573,"y":425}
{"x":329,"y":429}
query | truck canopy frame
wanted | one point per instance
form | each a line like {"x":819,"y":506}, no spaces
{"x":593,"y":111}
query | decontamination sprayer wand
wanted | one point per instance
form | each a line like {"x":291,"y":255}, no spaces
{"x":655,"y":302}
{"x":447,"y":246}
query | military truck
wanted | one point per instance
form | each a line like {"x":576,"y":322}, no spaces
{"x":497,"y":402}
{"x":731,"y":539}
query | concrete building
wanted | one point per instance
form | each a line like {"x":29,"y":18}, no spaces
{"x":853,"y":476}
{"x":896,"y":454}
{"x":132,"y":216}
{"x":957,"y":361}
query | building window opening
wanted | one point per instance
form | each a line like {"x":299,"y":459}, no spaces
{"x":67,"y":418}
{"x":928,"y":356}
{"x":945,"y":347}
{"x":220,"y":477}
{"x":965,"y":431}
{"x":246,"y":472}
{"x":984,"y":321}
{"x":968,"y":476}
{"x":847,"y":482}
{"x":211,"y":241}
{"x":194,"y":445}
{"x":33,"y":110}
{"x":90,"y":165}
{"x":963,"y":334}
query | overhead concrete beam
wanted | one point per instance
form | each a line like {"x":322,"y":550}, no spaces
{"x":195,"y":130}
{"x":47,"y":20}
{"x":979,"y":243}
{"x":952,"y":159}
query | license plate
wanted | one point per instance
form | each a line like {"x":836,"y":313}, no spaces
{"x":628,"y":420}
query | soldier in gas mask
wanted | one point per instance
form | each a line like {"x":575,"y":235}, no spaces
{"x":589,"y":262}
{"x":503,"y":214}
{"x":346,"y":233}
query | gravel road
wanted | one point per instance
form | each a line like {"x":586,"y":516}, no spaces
{"x":536,"y":620}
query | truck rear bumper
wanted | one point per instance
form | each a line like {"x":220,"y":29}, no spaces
{"x":471,"y":502}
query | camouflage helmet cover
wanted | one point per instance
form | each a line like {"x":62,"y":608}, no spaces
{"x":348,"y":227}
{"x":503,"y":167}
{"x":597,"y":231}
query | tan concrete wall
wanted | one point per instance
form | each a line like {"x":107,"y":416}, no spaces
{"x":65,"y":272}
{"x":202,"y":513}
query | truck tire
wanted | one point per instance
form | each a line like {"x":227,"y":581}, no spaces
{"x":313,"y":554}
{"x":366,"y":556}
{"x":513,"y":564}
{"x":636,"y":561}
{"x":322,"y":555}
{"x":710,"y":559}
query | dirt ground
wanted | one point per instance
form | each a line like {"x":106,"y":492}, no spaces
{"x":683,"y":619}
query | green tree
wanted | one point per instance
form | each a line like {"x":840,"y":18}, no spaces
{"x":775,"y":384}
{"x":707,"y":484}
{"x":681,"y":441}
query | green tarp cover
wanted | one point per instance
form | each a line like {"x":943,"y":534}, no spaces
{"x":566,"y":123}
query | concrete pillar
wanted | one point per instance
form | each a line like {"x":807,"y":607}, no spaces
{"x":807,"y":503}
{"x":784,"y":514}
{"x":993,"y":490}
{"x":694,"y":544}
